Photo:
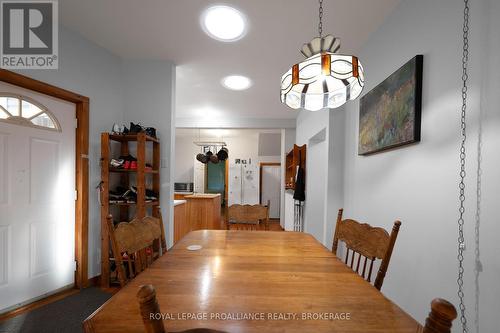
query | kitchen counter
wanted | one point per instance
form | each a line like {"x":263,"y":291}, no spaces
{"x":203,"y":196}
{"x":196,"y":211}
{"x":179,"y":202}
{"x":179,"y":195}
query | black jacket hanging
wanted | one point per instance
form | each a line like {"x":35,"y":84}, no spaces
{"x":300,"y":183}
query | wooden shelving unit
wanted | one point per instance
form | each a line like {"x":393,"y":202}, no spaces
{"x":295,"y":158}
{"x":141,"y":173}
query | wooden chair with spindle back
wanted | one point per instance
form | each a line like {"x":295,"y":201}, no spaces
{"x":247,"y":217}
{"x":366,"y":241}
{"x":133,"y":243}
{"x":151,"y":314}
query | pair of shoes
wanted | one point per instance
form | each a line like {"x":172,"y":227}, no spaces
{"x":122,"y":195}
{"x":119,"y":129}
{"x":137,"y":128}
{"x":129,"y":162}
{"x":150,"y":194}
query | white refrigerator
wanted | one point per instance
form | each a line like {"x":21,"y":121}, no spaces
{"x":243,"y":184}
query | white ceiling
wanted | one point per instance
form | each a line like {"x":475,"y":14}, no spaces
{"x":170,"y":30}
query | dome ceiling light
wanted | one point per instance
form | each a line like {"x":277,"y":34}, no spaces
{"x":326,"y":79}
{"x":224,"y":23}
{"x":236,"y":82}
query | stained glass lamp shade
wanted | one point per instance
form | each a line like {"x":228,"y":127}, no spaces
{"x":324,"y":80}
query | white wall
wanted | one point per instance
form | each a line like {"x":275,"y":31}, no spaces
{"x":418,"y":184}
{"x":149,"y":100}
{"x":89,"y":70}
{"x":322,"y":132}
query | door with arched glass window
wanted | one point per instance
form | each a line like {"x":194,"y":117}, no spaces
{"x":37,"y":200}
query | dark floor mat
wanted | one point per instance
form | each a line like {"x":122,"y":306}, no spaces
{"x":65,"y":315}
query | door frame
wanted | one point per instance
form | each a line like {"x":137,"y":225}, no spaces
{"x":226,"y":178}
{"x":263,"y":164}
{"x":82,"y":163}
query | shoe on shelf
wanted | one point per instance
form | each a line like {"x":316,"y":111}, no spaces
{"x":128,"y":159}
{"x":133,"y":165}
{"x":135,"y":128}
{"x":151,"y":195}
{"x":150,"y":131}
{"x":117,"y":162}
{"x":122,"y":195}
{"x":117,"y":129}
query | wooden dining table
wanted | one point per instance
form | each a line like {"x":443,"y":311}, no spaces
{"x":254,"y":281}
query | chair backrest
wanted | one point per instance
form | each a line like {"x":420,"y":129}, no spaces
{"x":134,"y":242}
{"x":151,"y":314}
{"x":241,"y":215}
{"x":365,"y":241}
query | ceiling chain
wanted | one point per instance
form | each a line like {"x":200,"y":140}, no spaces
{"x":461,"y":222}
{"x":320,"y":24}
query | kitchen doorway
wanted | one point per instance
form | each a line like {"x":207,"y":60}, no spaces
{"x":216,"y":180}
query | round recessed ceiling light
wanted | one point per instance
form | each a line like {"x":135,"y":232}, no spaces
{"x":224,"y":23}
{"x":236,"y":82}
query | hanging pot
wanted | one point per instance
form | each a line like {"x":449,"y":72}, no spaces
{"x":223,"y":154}
{"x":209,"y":152}
{"x":214,"y":159}
{"x":200,"y":157}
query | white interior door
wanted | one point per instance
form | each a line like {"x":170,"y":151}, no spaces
{"x":271,"y":189}
{"x":37,"y":197}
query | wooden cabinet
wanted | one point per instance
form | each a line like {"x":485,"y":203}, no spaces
{"x":204,"y":211}
{"x":181,"y":225}
{"x":199,"y":211}
{"x":295,"y":158}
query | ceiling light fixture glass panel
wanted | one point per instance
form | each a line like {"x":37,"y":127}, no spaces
{"x":325,"y":79}
{"x":236,"y":82}
{"x":224,"y":23}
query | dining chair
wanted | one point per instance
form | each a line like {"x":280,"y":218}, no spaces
{"x":247,"y":217}
{"x":133,"y":243}
{"x":151,"y":313}
{"x":364,"y":241}
{"x":440,"y":317}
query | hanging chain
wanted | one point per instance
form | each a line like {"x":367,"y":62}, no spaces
{"x":461,"y":239}
{"x":320,"y":24}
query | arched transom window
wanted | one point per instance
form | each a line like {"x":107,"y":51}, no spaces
{"x":22,"y":110}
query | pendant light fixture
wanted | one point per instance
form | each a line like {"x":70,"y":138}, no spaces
{"x":325,"y":79}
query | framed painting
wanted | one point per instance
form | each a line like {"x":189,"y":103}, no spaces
{"x":390,"y":114}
